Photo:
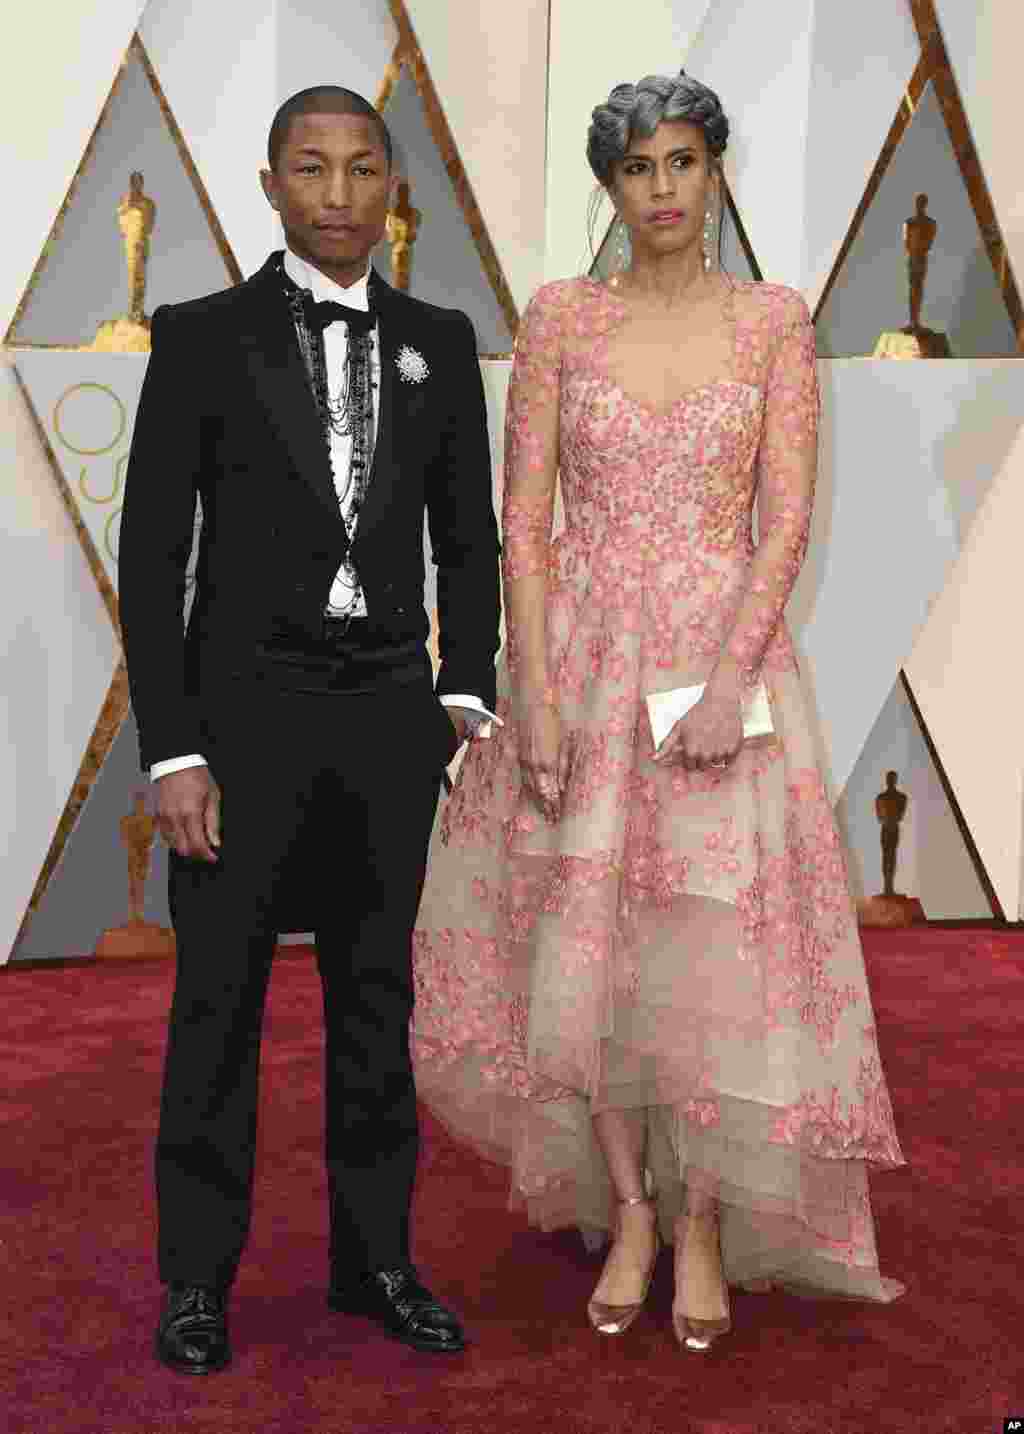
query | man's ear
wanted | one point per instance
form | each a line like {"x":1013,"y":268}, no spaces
{"x":393,"y":184}
{"x":267,"y":183}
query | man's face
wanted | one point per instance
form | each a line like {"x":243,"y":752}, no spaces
{"x":332,"y":188}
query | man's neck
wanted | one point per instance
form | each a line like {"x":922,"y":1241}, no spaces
{"x":344,"y":275}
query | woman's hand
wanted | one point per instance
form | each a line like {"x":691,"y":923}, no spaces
{"x":710,"y":735}
{"x":545,"y":759}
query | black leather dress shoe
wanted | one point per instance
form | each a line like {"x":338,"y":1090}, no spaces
{"x":406,"y":1309}
{"x":192,"y":1335}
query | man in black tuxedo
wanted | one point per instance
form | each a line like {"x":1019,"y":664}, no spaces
{"x":299,"y":706}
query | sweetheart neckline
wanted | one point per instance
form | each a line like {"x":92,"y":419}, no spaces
{"x":659,"y":410}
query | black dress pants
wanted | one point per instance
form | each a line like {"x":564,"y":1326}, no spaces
{"x":346,"y":760}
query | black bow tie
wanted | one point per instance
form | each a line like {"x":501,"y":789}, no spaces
{"x":318,"y":316}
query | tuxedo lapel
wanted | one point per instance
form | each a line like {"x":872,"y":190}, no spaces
{"x":384,"y":469}
{"x":280,"y":383}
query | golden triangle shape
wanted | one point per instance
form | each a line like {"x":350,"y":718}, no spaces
{"x":934,"y":68}
{"x":136,"y":50}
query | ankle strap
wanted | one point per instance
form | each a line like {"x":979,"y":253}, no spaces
{"x":637,"y":1200}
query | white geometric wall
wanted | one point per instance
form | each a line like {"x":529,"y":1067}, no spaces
{"x":901,"y":574}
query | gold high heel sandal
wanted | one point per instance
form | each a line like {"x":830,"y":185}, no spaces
{"x":616,"y":1319}
{"x":697,"y":1335}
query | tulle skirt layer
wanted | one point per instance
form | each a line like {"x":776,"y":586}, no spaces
{"x":681,"y":945}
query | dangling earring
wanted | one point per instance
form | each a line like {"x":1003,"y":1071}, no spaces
{"x":709,"y":231}
{"x":622,"y":247}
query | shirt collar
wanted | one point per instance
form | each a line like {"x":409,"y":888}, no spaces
{"x":356,"y":296}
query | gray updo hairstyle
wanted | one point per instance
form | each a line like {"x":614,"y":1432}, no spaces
{"x":637,"y":110}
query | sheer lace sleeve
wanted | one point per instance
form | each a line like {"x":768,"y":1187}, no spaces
{"x":787,"y":467}
{"x":531,"y":463}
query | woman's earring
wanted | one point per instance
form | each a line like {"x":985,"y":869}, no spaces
{"x":622,"y":249}
{"x":709,"y":234}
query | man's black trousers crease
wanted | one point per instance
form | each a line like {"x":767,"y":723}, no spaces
{"x":344,"y":757}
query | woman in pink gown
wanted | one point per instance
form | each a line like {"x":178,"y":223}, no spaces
{"x":639,"y":979}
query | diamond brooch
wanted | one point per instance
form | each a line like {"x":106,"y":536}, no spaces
{"x":412,"y":366}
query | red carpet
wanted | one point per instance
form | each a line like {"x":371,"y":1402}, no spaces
{"x":80,"y":1051}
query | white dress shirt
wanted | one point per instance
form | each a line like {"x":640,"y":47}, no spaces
{"x":356,"y":296}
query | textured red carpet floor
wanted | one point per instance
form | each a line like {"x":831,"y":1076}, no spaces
{"x":80,"y":1052}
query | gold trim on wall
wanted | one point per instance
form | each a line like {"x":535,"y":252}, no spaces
{"x":934,"y":68}
{"x":137,"y":50}
{"x":408,"y":53}
{"x":950,"y":102}
{"x":112,"y":714}
{"x":907,"y":108}
{"x":392,"y":71}
{"x":116,"y":705}
{"x":991,"y":895}
{"x":58,"y":223}
{"x":205,"y":203}
{"x":741,"y":233}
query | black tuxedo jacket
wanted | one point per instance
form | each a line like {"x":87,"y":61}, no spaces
{"x":227,"y":411}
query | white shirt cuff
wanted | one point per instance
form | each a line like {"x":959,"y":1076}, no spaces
{"x":175,"y":764}
{"x":479,"y":718}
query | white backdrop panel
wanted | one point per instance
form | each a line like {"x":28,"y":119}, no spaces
{"x":967,"y":677}
{"x":757,"y":58}
{"x":861,"y":59}
{"x":906,"y":452}
{"x":224,"y":95}
{"x":61,"y":56}
{"x":490,"y":72}
{"x":324,"y":42}
{"x":589,"y":54}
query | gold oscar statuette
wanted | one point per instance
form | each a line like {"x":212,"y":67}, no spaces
{"x":137,"y":937}
{"x":403,"y":224}
{"x":915,"y":341}
{"x":136,"y":215}
{"x":889,"y":908}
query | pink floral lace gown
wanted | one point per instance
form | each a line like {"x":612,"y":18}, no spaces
{"x":681,"y":942}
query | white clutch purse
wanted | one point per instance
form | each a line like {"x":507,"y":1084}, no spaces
{"x":665,"y":709}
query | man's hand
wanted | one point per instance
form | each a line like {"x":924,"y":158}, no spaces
{"x":458,"y":722}
{"x":188,"y":813}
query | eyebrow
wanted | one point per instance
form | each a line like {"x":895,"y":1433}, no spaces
{"x":312,"y":149}
{"x":682,"y":149}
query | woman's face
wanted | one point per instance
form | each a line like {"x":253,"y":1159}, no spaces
{"x":663,"y":187}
